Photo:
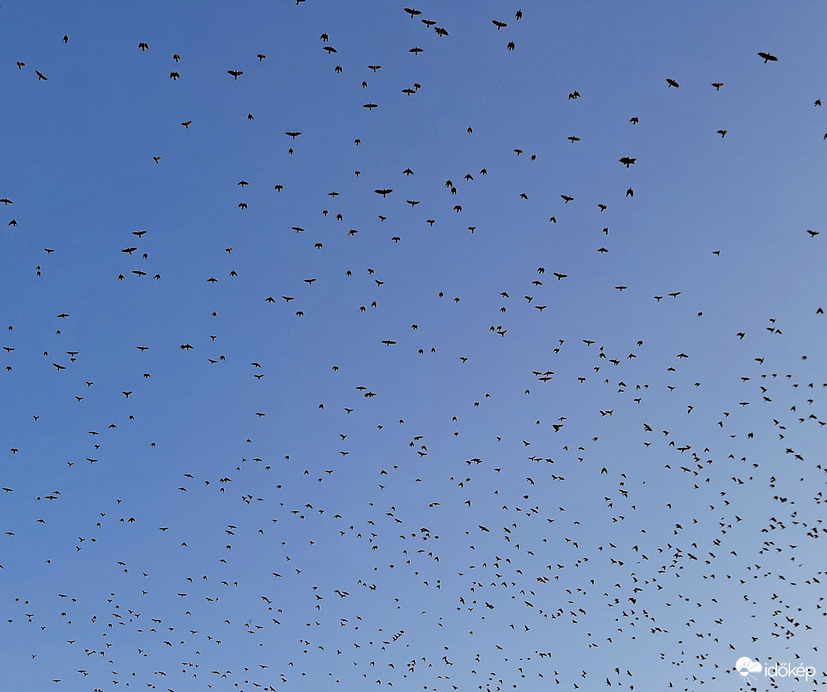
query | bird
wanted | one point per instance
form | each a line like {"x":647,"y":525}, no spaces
{"x":672,"y":83}
{"x":768,"y":57}
{"x":41,"y":76}
{"x":235,"y":73}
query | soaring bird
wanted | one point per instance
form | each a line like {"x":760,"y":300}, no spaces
{"x":768,"y":57}
{"x":235,"y":73}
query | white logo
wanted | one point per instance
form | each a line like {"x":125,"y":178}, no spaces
{"x":746,"y":667}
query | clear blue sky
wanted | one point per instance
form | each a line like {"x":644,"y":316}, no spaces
{"x":552,"y":471}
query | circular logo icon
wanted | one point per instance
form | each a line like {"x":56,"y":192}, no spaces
{"x":746,"y":666}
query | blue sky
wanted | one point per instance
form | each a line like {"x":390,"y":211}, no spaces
{"x":242,"y":515}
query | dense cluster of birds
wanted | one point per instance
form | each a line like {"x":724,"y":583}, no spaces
{"x":359,"y":395}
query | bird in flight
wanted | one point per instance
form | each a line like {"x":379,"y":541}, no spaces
{"x":768,"y":57}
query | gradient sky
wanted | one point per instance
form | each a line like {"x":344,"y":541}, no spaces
{"x":555,"y":472}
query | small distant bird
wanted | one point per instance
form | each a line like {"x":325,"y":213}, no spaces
{"x":499,"y":24}
{"x":717,"y":85}
{"x":672,"y":83}
{"x":768,"y":57}
{"x":723,"y":133}
{"x":143,"y":46}
{"x":41,"y":76}
{"x":627,"y":161}
{"x":235,"y":73}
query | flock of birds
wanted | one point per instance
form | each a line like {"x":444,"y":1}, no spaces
{"x":391,"y":409}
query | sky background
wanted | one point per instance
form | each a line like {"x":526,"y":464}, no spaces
{"x":241,"y":515}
